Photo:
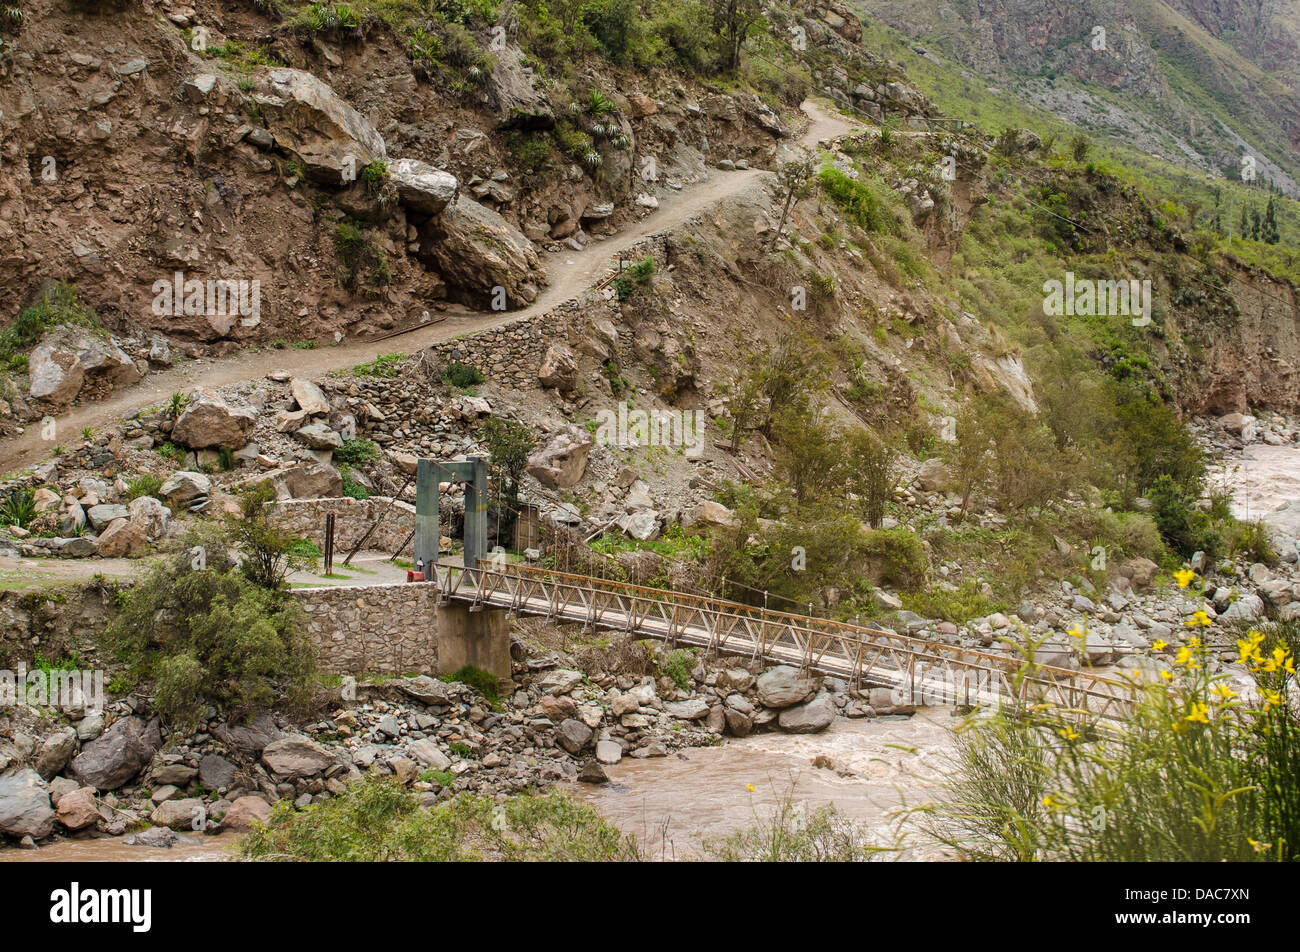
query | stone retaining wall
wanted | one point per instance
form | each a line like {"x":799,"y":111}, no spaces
{"x":352,"y":517}
{"x":373,"y":629}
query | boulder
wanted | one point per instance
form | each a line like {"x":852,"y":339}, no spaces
{"x":101,"y":515}
{"x":313,"y":481}
{"x":430,"y":754}
{"x":421,"y":187}
{"x":55,"y":752}
{"x":319,"y":437}
{"x":560,"y":464}
{"x":558,"y":369}
{"x":808,"y":718}
{"x":331,"y":140}
{"x":251,"y":738}
{"x":783,"y":686}
{"x":514,"y":90}
{"x":180,"y":775}
{"x":209,"y":422}
{"x":642,"y":526}
{"x":934,"y":476}
{"x":692,"y":709}
{"x":296,"y":757}
{"x":216,"y":772}
{"x":558,"y":681}
{"x":69,"y":356}
{"x":1140,"y":572}
{"x":244,"y":812}
{"x":118,"y":754}
{"x":573,"y":735}
{"x":608,"y":752}
{"x":309,"y":397}
{"x":712,"y":513}
{"x":149,"y":516}
{"x":425,"y":689}
{"x":122,"y":540}
{"x":76,"y":810}
{"x":476,"y":251}
{"x":180,"y":814}
{"x":738,"y":724}
{"x":182,"y":487}
{"x":25,"y":808}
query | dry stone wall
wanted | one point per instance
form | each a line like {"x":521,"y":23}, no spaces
{"x":373,"y":629}
{"x":352,"y":517}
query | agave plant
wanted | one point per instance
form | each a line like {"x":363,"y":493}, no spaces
{"x":18,"y":508}
{"x":599,"y":104}
{"x":11,"y":15}
{"x":622,"y":142}
{"x":597,"y":131}
{"x":592,"y":159}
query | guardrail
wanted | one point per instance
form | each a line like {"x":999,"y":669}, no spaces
{"x":860,"y":654}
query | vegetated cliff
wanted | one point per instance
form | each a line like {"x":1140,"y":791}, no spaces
{"x":224,"y":143}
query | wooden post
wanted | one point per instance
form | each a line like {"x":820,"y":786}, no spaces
{"x":329,"y":543}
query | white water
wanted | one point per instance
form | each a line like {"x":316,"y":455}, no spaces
{"x":1262,"y":478}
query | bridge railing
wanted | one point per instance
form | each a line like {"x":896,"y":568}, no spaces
{"x":861,"y":654}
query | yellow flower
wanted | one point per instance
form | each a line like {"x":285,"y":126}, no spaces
{"x":1077,"y":633}
{"x":1257,"y":846}
{"x":1049,"y":802}
{"x":1273,"y":698}
{"x":1198,"y":618}
{"x":1250,"y":648}
{"x":1069,"y":733}
{"x":1159,"y":645}
{"x":1184,"y":577}
{"x":1198,"y":714}
{"x":749,"y":787}
{"x":1167,"y":675}
{"x":1223,"y":691}
{"x":1184,"y":655}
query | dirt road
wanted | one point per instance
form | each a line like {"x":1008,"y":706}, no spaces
{"x":571,"y":273}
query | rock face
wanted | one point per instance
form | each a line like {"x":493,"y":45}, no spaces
{"x":783,"y":686}
{"x":25,"y":805}
{"x":295,"y":757}
{"x":421,"y":187}
{"x":118,"y":755}
{"x":209,"y":422}
{"x":68,"y":357}
{"x":306,"y":117}
{"x":476,"y":251}
{"x":808,"y":718}
{"x":520,"y":102}
{"x":561,"y":463}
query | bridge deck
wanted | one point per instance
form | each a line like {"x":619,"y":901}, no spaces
{"x":917,"y":668}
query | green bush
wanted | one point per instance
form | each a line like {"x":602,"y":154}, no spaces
{"x":385,"y":365}
{"x":678,"y":666}
{"x":146,"y":484}
{"x":461,"y":375}
{"x":1250,"y":540}
{"x":59,"y":305}
{"x":206,"y":635}
{"x":1183,"y":525}
{"x":484,"y":682}
{"x":860,"y":200}
{"x":356,"y":452}
{"x":959,"y":605}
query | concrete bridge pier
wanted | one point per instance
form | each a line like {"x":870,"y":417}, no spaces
{"x":472,"y":634}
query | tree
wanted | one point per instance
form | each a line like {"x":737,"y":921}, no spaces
{"x":1269,"y":232}
{"x":509,"y":444}
{"x":809,"y":455}
{"x":795,"y":177}
{"x":735,"y":21}
{"x":869,"y":464}
{"x":267,"y":550}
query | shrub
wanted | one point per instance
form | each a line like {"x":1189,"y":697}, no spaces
{"x":265,"y":547}
{"x":791,"y":834}
{"x":378,"y":820}
{"x":678,"y":666}
{"x":356,"y":452}
{"x":461,"y":375}
{"x":1250,"y":540}
{"x":1182,"y":524}
{"x":209,"y":636}
{"x":958,"y":606}
{"x":859,"y":200}
{"x":484,"y":682}
{"x":58,"y":305}
{"x":351,"y":488}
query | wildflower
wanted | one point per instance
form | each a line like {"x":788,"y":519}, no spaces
{"x":749,"y":787}
{"x":1049,"y":802}
{"x":1184,"y":577}
{"x":1159,"y":645}
{"x":1274,"y":698}
{"x":1069,"y":733}
{"x":1199,"y":617}
{"x":1223,"y":692}
{"x":1186,"y":656}
{"x":1198,"y":714}
{"x":1167,"y":675}
{"x":1249,"y":648}
{"x":1077,"y":633}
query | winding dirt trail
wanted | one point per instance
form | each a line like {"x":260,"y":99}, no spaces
{"x":571,"y":273}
